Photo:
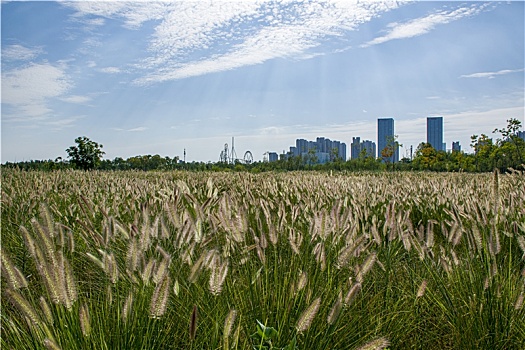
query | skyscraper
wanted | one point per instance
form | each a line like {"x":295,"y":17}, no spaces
{"x":385,"y":137}
{"x":435,"y":132}
{"x":323,"y":149}
{"x":369,"y":147}
{"x":358,"y":146}
{"x":355,"y":147}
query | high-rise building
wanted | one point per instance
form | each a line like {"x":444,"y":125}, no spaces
{"x":357,"y":147}
{"x":301,"y":146}
{"x":435,"y":132}
{"x":521,"y":134}
{"x":456,"y":147}
{"x":323,"y":149}
{"x":385,"y":138}
{"x":342,"y":151}
{"x":273,"y":157}
{"x":369,"y":147}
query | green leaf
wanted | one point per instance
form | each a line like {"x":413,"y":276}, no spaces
{"x":266,"y":333}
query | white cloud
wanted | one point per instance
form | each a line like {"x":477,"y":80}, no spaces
{"x":110,"y":70}
{"x":19,"y":53}
{"x":134,"y":13}
{"x":423,"y":25}
{"x":28,"y":91}
{"x":60,"y":124}
{"x":29,"y":88}
{"x":272,"y":130}
{"x":296,"y":30}
{"x":138,"y":129}
{"x":492,"y":75}
{"x":195,"y":38}
{"x":76,"y":99}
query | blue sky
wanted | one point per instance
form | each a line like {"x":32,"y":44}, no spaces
{"x":160,"y":77}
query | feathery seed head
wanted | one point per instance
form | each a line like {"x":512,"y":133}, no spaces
{"x":301,"y":283}
{"x":162,"y":270}
{"x":50,"y":344}
{"x":422,"y":288}
{"x":15,"y":278}
{"x":46,"y":311}
{"x":159,"y":300}
{"x":376,"y":344}
{"x":352,"y":293}
{"x":306,"y":318}
{"x":127,"y":307}
{"x":519,"y":302}
{"x":336,"y":309}
{"x":217,"y":277}
{"x":85,"y":321}
{"x":176,"y":288}
{"x":229,"y":322}
{"x":366,"y":267}
{"x":23,"y":306}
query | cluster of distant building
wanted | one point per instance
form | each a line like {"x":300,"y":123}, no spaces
{"x":324,"y":149}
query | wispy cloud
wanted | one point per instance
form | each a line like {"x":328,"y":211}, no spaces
{"x":76,"y":99}
{"x":423,"y":25}
{"x":27,"y":90}
{"x":19,"y":53}
{"x":110,"y":70}
{"x":272,"y":130}
{"x":492,"y":75}
{"x":60,"y":124}
{"x":196,"y":38}
{"x":138,"y":129}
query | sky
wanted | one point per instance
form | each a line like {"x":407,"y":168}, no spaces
{"x":163,"y":77}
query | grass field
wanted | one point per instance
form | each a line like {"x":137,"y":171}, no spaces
{"x":182,"y":260}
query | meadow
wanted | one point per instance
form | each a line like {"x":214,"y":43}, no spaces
{"x":296,"y":260}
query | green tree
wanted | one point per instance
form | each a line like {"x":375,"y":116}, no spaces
{"x":510,"y":136}
{"x":311,"y":157}
{"x":426,"y":156}
{"x":86,"y":154}
{"x":391,"y":148}
{"x":483,"y":152}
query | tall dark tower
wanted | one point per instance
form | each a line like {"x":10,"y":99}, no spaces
{"x":435,"y":132}
{"x":385,"y":134}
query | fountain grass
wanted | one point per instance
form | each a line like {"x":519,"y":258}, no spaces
{"x":182,"y":260}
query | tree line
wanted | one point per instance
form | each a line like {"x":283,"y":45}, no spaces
{"x":504,"y":153}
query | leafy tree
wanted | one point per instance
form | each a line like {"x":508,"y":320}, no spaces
{"x":86,"y":154}
{"x":426,"y":156}
{"x":510,"y":135}
{"x":311,"y":157}
{"x":483,"y":152}
{"x":392,"y":146}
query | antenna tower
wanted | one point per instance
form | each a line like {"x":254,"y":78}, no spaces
{"x":233,"y":154}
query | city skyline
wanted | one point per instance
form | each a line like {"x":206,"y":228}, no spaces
{"x":385,"y":129}
{"x":325,"y":149}
{"x":163,"y":77}
{"x":358,"y":146}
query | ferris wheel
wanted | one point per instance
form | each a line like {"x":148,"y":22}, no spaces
{"x":248,"y":157}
